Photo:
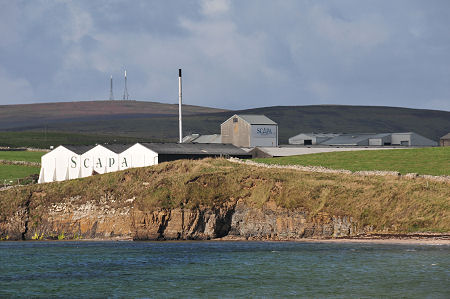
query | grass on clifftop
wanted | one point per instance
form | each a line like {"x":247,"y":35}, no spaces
{"x":388,"y":203}
{"x":14,"y":172}
{"x":432,"y":161}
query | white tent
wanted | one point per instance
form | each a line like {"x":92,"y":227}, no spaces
{"x":101,"y":159}
{"x":137,"y":156}
{"x":60,"y":164}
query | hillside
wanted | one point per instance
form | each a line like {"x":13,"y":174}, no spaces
{"x":31,"y":115}
{"x":291,"y":120}
{"x":215,"y":198}
{"x":157,"y":121}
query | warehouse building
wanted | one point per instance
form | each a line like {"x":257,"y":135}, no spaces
{"x":311,"y":138}
{"x":362,"y":139}
{"x":249,"y":131}
{"x":445,"y":140}
{"x":71,"y":162}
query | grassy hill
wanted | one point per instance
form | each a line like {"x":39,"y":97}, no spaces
{"x":433,"y":161}
{"x":31,"y":115}
{"x":157,"y":121}
{"x":389,"y":204}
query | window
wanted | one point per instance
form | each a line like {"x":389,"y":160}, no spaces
{"x":235,"y":120}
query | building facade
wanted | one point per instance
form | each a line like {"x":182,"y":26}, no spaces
{"x":249,"y":131}
{"x":362,"y":139}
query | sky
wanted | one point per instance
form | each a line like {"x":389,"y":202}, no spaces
{"x":234,"y":54}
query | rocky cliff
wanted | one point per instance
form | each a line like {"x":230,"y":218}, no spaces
{"x":107,"y":219}
{"x":214,"y":198}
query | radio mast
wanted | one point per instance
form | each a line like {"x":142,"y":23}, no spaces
{"x":125,"y":91}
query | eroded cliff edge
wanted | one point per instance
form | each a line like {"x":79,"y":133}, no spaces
{"x":214,"y":198}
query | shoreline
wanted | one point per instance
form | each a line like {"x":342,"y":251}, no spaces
{"x":391,"y":241}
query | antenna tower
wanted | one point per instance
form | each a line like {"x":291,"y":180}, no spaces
{"x":125,"y":91}
{"x":111,"y":96}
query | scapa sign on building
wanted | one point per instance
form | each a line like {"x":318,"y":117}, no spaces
{"x":264,"y":131}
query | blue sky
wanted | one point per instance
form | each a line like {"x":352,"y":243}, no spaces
{"x":234,"y":54}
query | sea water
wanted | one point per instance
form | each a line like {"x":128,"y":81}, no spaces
{"x":223,"y":269}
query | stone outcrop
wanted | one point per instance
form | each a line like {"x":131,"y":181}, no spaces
{"x":111,"y":219}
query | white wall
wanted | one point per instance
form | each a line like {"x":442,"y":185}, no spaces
{"x":397,"y":138}
{"x":55,"y":165}
{"x":264,"y":135}
{"x":137,"y":156}
{"x":99,"y":159}
{"x":375,"y":141}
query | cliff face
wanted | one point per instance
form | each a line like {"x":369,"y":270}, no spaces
{"x":214,"y":198}
{"x":110,"y":219}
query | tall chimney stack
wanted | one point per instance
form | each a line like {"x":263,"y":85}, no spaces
{"x":180,"y":123}
{"x":111,"y":95}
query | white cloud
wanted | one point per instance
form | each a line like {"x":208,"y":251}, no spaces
{"x":215,"y":7}
{"x":321,"y":90}
{"x":15,"y":88}
{"x":234,"y":54}
{"x":79,"y":23}
{"x":365,"y":31}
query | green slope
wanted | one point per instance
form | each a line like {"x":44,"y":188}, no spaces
{"x":433,"y":161}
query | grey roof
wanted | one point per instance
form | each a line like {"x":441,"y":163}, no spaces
{"x":190,"y":138}
{"x":447,"y":136}
{"x":214,"y":138}
{"x":79,"y":149}
{"x":117,"y":148}
{"x":195,"y":148}
{"x":317,"y":134}
{"x":348,"y":139}
{"x":256,"y":119}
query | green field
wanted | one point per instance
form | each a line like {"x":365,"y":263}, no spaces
{"x":433,"y":161}
{"x":14,"y":172}
{"x":21,"y":156}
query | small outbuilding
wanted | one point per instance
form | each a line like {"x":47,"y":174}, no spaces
{"x":445,"y":140}
{"x":62,"y":163}
{"x":249,"y":131}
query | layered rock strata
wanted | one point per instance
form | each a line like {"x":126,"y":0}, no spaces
{"x":110,"y":219}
